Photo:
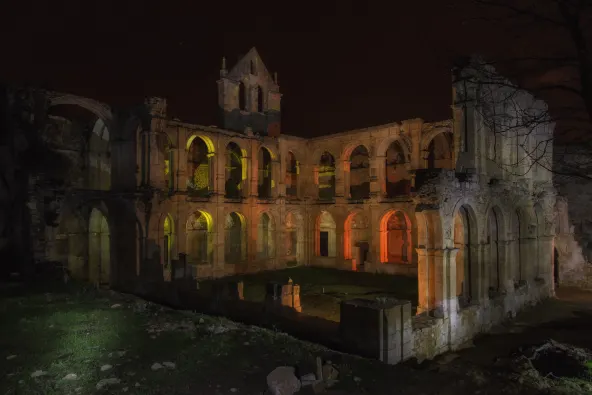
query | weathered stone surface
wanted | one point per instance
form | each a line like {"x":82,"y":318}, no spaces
{"x":283,"y":381}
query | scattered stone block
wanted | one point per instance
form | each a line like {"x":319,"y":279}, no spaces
{"x":283,"y":381}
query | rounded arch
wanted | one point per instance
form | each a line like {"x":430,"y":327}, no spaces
{"x":266,"y":235}
{"x":397,"y":180}
{"x":495,"y":235}
{"x":265,"y":181}
{"x":211,"y":150}
{"x":101,"y":110}
{"x":200,"y":165}
{"x":99,"y":247}
{"x":439,"y":149}
{"x":356,"y":237}
{"x":294,"y":242}
{"x":357,"y":172}
{"x":396,"y":240}
{"x":349,"y":149}
{"x":465,"y":239}
{"x":199,"y":229}
{"x":235,"y":171}
{"x":325,"y":235}
{"x":325,"y":176}
{"x":403,"y":141}
{"x":292,"y":175}
{"x":235,"y":238}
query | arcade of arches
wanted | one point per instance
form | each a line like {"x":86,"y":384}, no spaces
{"x":411,"y":198}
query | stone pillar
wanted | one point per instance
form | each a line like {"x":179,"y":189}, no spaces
{"x":218,"y":241}
{"x":246,"y":185}
{"x":528,"y":257}
{"x":425,"y":282}
{"x":339,"y":179}
{"x":275,"y":179}
{"x":386,"y":335}
{"x":445,"y":292}
{"x":346,"y":179}
{"x":376,"y":180}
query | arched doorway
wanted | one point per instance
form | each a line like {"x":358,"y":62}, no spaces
{"x":265,"y":237}
{"x":356,"y":240}
{"x":199,"y":238}
{"x":326,"y":177}
{"x":265,"y":182}
{"x":439,"y":152}
{"x":99,"y":250}
{"x":395,"y":238}
{"x":200,"y":156}
{"x":235,"y":238}
{"x":294,"y":239}
{"x":359,"y":173}
{"x":325,"y":245}
{"x":235,"y":172}
{"x":292,"y":170}
{"x":397,"y":180}
{"x":465,"y":238}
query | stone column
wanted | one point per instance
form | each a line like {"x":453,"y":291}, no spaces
{"x":425,"y":289}
{"x":528,"y":257}
{"x":218,"y":240}
{"x":275,"y":179}
{"x":339,"y":179}
{"x":377,"y":176}
{"x":445,"y":280}
{"x":346,"y":179}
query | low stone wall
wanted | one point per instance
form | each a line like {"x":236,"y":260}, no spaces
{"x":400,"y":269}
{"x":390,"y":334}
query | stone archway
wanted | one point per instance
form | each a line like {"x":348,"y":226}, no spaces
{"x":438,"y":152}
{"x":235,"y":171}
{"x":356,"y":239}
{"x":265,"y":237}
{"x":199,"y":245}
{"x":99,"y":248}
{"x":395,"y":238}
{"x":466,"y":241}
{"x":265,"y":174}
{"x":325,"y":178}
{"x":235,"y":238}
{"x":294,"y":241}
{"x":495,"y":251}
{"x":200,"y":169}
{"x":325,"y":231}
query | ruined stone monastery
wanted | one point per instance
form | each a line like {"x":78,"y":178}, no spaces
{"x":150,"y":198}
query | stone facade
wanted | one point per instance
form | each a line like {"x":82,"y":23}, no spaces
{"x":430,"y":200}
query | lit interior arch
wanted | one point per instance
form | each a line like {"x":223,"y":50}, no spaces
{"x":199,"y":228}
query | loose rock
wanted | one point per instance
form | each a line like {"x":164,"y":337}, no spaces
{"x":156,"y":366}
{"x":169,"y":365}
{"x":283,"y":381}
{"x":105,"y":382}
{"x":116,"y":305}
{"x":70,"y":376}
{"x":105,"y":367}
{"x":38,"y":373}
{"x":8,"y":358}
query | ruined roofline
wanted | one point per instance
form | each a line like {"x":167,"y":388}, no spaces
{"x":447,"y":123}
{"x":215,"y":129}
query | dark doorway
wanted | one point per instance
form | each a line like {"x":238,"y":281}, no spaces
{"x":324,"y":244}
{"x":363,"y":248}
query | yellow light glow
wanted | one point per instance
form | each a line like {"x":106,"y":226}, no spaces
{"x":206,"y":140}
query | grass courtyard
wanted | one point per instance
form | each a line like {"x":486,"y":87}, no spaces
{"x":322,"y":290}
{"x":75,"y":340}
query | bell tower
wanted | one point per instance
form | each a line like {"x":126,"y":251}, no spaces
{"x":249,"y":97}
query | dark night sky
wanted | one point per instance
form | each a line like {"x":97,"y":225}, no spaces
{"x":345,"y":66}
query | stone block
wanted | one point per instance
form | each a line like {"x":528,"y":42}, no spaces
{"x":377,"y":329}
